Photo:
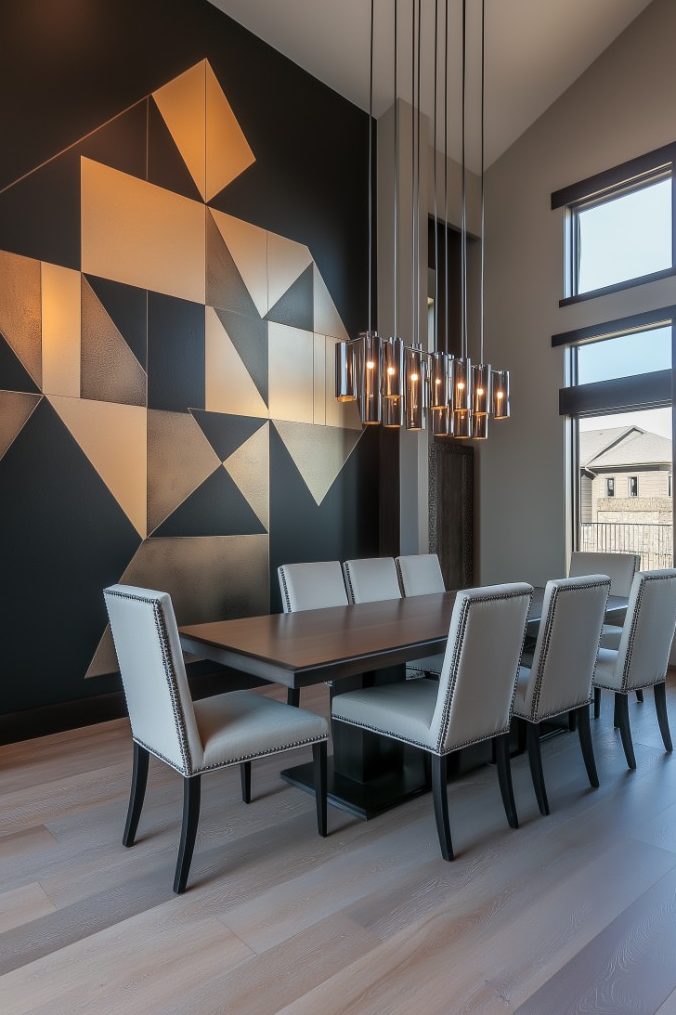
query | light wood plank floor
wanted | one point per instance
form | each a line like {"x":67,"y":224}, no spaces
{"x":571,"y":913}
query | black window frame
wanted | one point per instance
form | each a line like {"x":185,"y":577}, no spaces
{"x":610,"y":486}
{"x":632,"y":486}
{"x":628,"y":176}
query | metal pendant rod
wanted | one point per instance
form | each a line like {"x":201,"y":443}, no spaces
{"x":370,"y":170}
{"x":395,"y":252}
{"x":463,"y":261}
{"x":446,"y":267}
{"x":413,"y":3}
{"x":434,"y":152}
{"x":483,"y":200}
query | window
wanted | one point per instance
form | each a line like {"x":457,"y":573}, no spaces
{"x":626,"y":235}
{"x":669,"y":485}
{"x":624,"y":355}
{"x":610,"y":488}
{"x":633,"y":486}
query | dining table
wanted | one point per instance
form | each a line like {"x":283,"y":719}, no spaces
{"x":349,"y":647}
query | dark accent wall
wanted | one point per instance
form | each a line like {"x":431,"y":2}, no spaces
{"x":147,"y":433}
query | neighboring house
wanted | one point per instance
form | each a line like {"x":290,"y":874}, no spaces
{"x":625,"y":476}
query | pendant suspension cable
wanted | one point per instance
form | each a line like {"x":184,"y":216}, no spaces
{"x":434,"y":184}
{"x":447,"y":339}
{"x":413,"y":2}
{"x":463,"y":260}
{"x":370,"y":171}
{"x":417,"y":177}
{"x":395,"y":210}
{"x":483,"y":200}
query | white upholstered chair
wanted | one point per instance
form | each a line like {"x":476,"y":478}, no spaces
{"x":420,"y":575}
{"x":194,"y":737}
{"x":642,"y":656}
{"x":472,"y":701}
{"x":312,"y":586}
{"x":371,"y":580}
{"x":560,"y":678}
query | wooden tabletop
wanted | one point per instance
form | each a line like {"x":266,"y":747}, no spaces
{"x":333,"y":642}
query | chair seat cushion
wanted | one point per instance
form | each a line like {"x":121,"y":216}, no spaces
{"x":403,"y":710}
{"x":610,"y":637}
{"x":430,"y":664}
{"x":242,"y":724}
{"x":520,"y":707}
{"x":604,"y":675}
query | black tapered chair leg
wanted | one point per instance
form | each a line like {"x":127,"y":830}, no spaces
{"x":616,"y":714}
{"x":293,"y":696}
{"x":639,"y":695}
{"x":535,"y":760}
{"x":622,"y":716}
{"x":191,"y":817}
{"x":319,"y":760}
{"x":597,"y":702}
{"x":521,"y":725}
{"x":139,"y":780}
{"x":572,"y":721}
{"x":245,"y":777}
{"x":503,"y":762}
{"x":584,"y":731}
{"x":662,"y":715}
{"x":440,"y":795}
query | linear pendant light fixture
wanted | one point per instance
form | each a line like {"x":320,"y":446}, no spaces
{"x":399,"y":385}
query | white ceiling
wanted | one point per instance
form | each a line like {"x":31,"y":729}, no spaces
{"x":535,"y":49}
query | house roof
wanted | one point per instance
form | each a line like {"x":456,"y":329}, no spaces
{"x":637,"y":448}
{"x":594,"y":442}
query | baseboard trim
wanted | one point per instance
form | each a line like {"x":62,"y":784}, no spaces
{"x":70,"y":715}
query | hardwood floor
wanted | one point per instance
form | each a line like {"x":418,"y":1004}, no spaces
{"x":571,"y":913}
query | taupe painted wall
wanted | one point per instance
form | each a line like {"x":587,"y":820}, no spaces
{"x":623,"y":106}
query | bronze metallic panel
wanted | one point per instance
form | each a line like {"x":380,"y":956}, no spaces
{"x":248,"y":246}
{"x":228,"y":385}
{"x":327,"y":320}
{"x":291,"y":373}
{"x":227,"y":151}
{"x":110,"y":370}
{"x":180,"y":458}
{"x":287,"y":259}
{"x":249,"y":466}
{"x":60,"y":330}
{"x":182,"y":103}
{"x":16,"y":409}
{"x":20,"y":310}
{"x":319,"y":452}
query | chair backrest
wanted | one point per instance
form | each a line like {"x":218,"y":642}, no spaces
{"x":620,"y":568}
{"x":481,"y":665}
{"x":567,"y":645}
{"x":155,"y":685}
{"x":311,"y":586}
{"x":420,"y":574}
{"x":643,"y":655}
{"x":371,"y":580}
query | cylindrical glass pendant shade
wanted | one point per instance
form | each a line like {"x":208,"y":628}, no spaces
{"x":371,"y":372}
{"x":393,"y":413}
{"x":345,"y":372}
{"x":416,"y":395}
{"x":393,"y":368}
{"x":480,"y":426}
{"x":501,"y":407}
{"x":481,"y":389}
{"x":439,"y":381}
{"x":442,"y":423}
{"x":462,"y":424}
{"x":462,"y":385}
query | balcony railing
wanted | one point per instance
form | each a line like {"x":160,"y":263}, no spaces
{"x":653,"y":542}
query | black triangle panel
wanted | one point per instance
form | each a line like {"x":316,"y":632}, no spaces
{"x":337,"y":529}
{"x":225,"y":287}
{"x":175,"y":353}
{"x":249,"y":335}
{"x":127,"y":307}
{"x":63,"y":538}
{"x":166,"y":167}
{"x":216,"y":508}
{"x":296,"y":306}
{"x":13,"y":374}
{"x":225,"y":432}
{"x":40,"y":214}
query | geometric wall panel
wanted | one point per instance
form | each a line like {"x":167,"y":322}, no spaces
{"x":248,"y":246}
{"x":114,"y":439}
{"x":296,"y":306}
{"x":319,"y":453}
{"x":227,"y":150}
{"x":216,"y":508}
{"x":127,"y":307}
{"x":249,"y":335}
{"x":20,"y":310}
{"x":135,"y":232}
{"x":110,"y":370}
{"x":183,"y":107}
{"x":228,"y":384}
{"x":291,"y":373}
{"x":166,"y":167}
{"x":287,"y":259}
{"x":175,"y":353}
{"x":16,"y":409}
{"x":226,"y":432}
{"x":179,"y":460}
{"x":105,"y":658}
{"x":225,"y":286}
{"x":60,"y":330}
{"x":13,"y":374}
{"x":327,"y":320}
{"x":249,"y":466}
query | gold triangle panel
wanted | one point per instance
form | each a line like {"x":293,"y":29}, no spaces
{"x":60,"y":330}
{"x":104,"y":659}
{"x":249,"y":466}
{"x":135,"y":232}
{"x":327,"y":320}
{"x":228,"y":384}
{"x":16,"y":408}
{"x":287,"y":259}
{"x":341,"y":414}
{"x":110,"y":371}
{"x":319,"y":452}
{"x":248,"y":246}
{"x":227,"y":151}
{"x":291,"y":373}
{"x":180,"y":458}
{"x":182,"y":103}
{"x":20,"y":310}
{"x":114,"y":439}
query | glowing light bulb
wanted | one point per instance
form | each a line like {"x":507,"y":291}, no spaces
{"x":391,"y":371}
{"x":461,"y":385}
{"x":370,"y":365}
{"x":414,"y":377}
{"x":499,"y":394}
{"x":479,"y":391}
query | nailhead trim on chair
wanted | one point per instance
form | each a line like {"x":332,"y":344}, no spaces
{"x":632,"y":631}
{"x":418,"y":743}
{"x":235,"y":761}
{"x":545,"y":648}
{"x":285,"y":590}
{"x":170,"y":674}
{"x":551,"y":715}
{"x":346,"y":572}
